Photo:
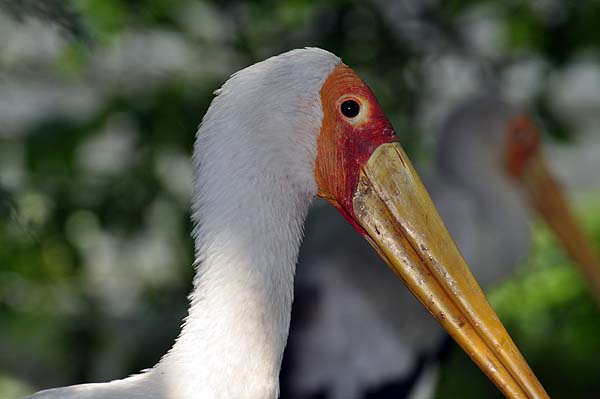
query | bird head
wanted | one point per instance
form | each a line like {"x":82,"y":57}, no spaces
{"x":503,"y":148}
{"x":522,"y":144}
{"x":361,"y":169}
{"x":525,"y":164}
{"x":303,"y":123}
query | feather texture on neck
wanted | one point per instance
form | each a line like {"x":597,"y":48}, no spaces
{"x":253,"y":160}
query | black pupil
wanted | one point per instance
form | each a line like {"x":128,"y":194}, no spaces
{"x":350,"y":108}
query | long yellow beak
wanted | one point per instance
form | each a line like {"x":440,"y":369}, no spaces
{"x":550,"y":201}
{"x":393,"y":207}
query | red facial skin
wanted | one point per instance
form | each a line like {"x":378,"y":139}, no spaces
{"x":522,"y":143}
{"x":346,"y":144}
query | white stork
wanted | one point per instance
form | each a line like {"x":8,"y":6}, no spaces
{"x":489,"y":175}
{"x":278,"y":133}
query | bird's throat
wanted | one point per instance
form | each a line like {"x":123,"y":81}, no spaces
{"x":240,"y":308}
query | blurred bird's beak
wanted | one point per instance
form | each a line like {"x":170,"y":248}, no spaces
{"x":550,"y":201}
{"x":394,"y":209}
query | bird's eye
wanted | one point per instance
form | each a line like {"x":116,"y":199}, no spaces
{"x":350,"y":108}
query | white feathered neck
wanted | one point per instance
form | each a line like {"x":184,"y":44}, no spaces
{"x":253,"y":160}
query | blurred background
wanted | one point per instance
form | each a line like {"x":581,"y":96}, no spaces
{"x":99,"y":103}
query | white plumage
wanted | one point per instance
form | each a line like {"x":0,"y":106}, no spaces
{"x":253,"y":162}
